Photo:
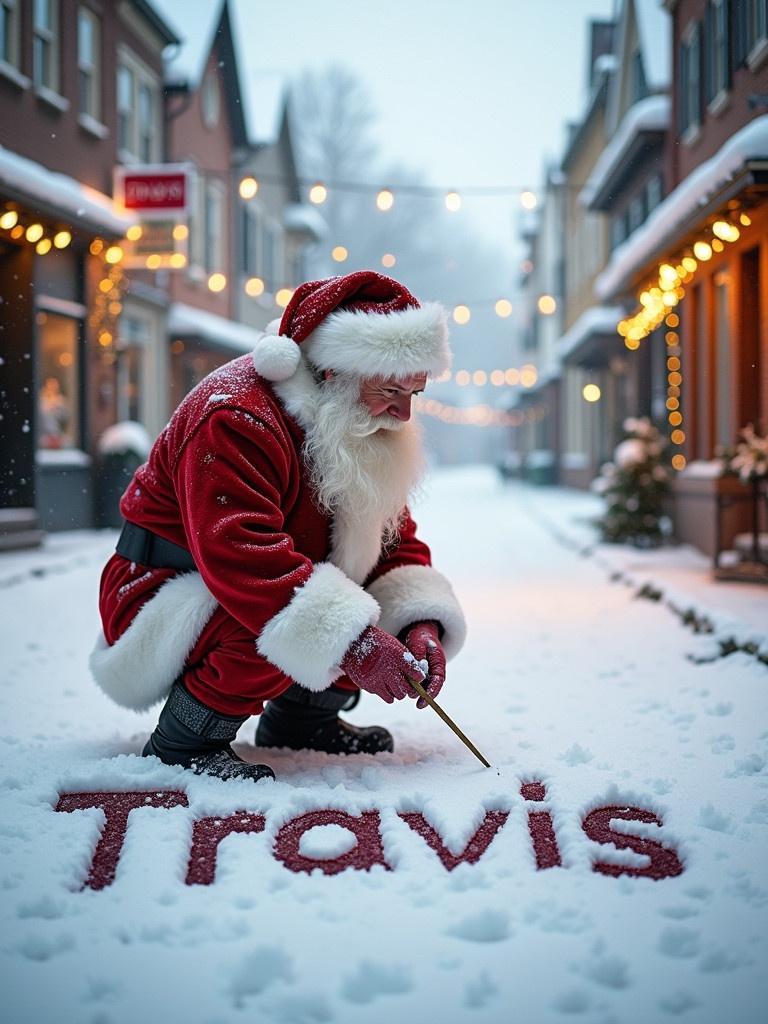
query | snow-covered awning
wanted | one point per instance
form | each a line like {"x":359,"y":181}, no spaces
{"x":670,"y":218}
{"x":304,"y":220}
{"x":52,"y":194}
{"x":594,"y":322}
{"x":648,"y":116}
{"x":189,"y":322}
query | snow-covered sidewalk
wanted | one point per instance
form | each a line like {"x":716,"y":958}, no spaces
{"x":609,"y":867}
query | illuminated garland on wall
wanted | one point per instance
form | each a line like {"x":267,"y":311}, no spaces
{"x":657,"y":303}
{"x":476,"y":415}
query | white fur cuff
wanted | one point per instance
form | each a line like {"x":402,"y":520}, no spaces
{"x":309,"y":637}
{"x":412,"y":593}
{"x":139,"y":668}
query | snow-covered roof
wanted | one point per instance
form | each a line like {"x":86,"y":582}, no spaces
{"x":664,"y":224}
{"x":50,"y":191}
{"x":305,"y":219}
{"x":654,"y":25}
{"x":649,"y":114}
{"x":216,"y":330}
{"x":595,"y":320}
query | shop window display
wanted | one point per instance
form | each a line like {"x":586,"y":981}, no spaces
{"x":57,"y":403}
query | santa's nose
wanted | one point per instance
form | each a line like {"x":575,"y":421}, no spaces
{"x":400,"y":408}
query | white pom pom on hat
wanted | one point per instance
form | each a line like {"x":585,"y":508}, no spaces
{"x":363,"y":323}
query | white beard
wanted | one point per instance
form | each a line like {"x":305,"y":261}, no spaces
{"x":364,"y":469}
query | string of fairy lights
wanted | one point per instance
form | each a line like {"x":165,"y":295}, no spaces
{"x":659,"y":298}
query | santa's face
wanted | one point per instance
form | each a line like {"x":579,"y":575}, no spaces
{"x":390,"y":397}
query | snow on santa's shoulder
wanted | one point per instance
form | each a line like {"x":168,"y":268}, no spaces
{"x":588,"y":703}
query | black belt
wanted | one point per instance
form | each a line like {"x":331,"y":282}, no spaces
{"x":147,"y":548}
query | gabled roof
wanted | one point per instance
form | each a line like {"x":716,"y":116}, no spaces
{"x":654,"y":33}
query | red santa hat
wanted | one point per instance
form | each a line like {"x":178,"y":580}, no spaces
{"x":363,"y":323}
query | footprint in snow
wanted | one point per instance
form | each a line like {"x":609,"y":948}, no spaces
{"x":484,"y":926}
{"x":259,"y":969}
{"x":679,"y":942}
{"x":371,"y":980}
{"x":608,"y":971}
{"x":576,"y":754}
{"x":573,"y":1001}
{"x":710,"y":817}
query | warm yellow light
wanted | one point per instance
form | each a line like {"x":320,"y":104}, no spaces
{"x":675,"y":418}
{"x":479,"y":378}
{"x":105,"y":285}
{"x":115,"y":308}
{"x":670,"y":299}
{"x":717,"y":245}
{"x":591,"y":393}
{"x":690,"y":264}
{"x":248,"y":187}
{"x":672,"y":338}
{"x":254,"y":287}
{"x":463,"y":378}
{"x":339,"y":253}
{"x":673,"y":390}
{"x":34,"y":232}
{"x":453,"y":201}
{"x":217,"y":282}
{"x":675,"y":379}
{"x":178,"y":260}
{"x":283,"y":297}
{"x":461,"y":314}
{"x":547,"y":304}
{"x":113,"y":254}
{"x":388,"y":260}
{"x":17,"y":232}
{"x":497,"y":378}
{"x":180,"y":232}
{"x":725,"y":230}
{"x":673,"y":403}
{"x":512,"y":376}
{"x":745,"y":219}
{"x":632,"y":344}
{"x":8,"y":219}
{"x":622,"y":327}
{"x":43,"y":246}
{"x":318,"y":194}
{"x":672,"y":320}
{"x":678,"y":461}
{"x":177,"y":347}
{"x":528,"y":376}
{"x":385,"y":200}
{"x":677,"y":437}
{"x":95,"y":247}
{"x":503,"y":308}
{"x":65,"y":359}
{"x":134,"y":232}
{"x":702,"y":251}
{"x":667,"y":275}
{"x":105,"y":338}
{"x":528,"y":200}
{"x":153,"y":261}
{"x":62,"y":239}
{"x":673,"y":363}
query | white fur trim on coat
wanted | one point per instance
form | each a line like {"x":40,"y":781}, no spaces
{"x":412,"y":593}
{"x":405,"y":341}
{"x":309,"y":637}
{"x":140,"y":667}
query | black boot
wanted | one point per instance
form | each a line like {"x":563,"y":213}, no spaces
{"x":302,"y":720}
{"x":192,"y":735}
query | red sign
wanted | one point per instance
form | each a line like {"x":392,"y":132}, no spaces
{"x":155,"y":191}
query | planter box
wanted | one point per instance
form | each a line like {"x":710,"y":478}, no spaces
{"x":694,"y":510}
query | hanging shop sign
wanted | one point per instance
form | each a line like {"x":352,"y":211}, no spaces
{"x":154,"y":191}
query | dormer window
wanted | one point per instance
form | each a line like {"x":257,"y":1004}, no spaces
{"x":210,"y":99}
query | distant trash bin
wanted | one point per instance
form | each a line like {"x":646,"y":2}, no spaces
{"x":122,"y":448}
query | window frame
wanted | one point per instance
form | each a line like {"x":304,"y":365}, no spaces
{"x":214,"y":227}
{"x":142,"y":78}
{"x":689,"y":86}
{"x":90,"y":68}
{"x":47,"y":35}
{"x":11,"y":58}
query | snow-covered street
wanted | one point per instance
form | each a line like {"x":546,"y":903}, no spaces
{"x":470,"y":894}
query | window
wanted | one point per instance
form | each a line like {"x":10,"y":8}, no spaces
{"x":702,"y":360}
{"x":9,"y":32}
{"x":269,"y":255}
{"x":45,"y":56}
{"x":636,"y":211}
{"x":88,"y":63}
{"x":718,"y":77}
{"x":213,"y":227}
{"x":723,"y":362}
{"x":618,"y":229}
{"x":654,"y":192}
{"x":58,"y":411}
{"x":131,"y":343}
{"x":689,"y":85}
{"x":250,"y":236}
{"x":757,"y":22}
{"x":210,"y":100}
{"x":639,"y":85}
{"x":138,"y":110}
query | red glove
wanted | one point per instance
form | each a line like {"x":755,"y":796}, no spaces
{"x":380,"y":664}
{"x":423,"y":641}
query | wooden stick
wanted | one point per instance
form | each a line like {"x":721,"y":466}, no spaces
{"x":448,"y":721}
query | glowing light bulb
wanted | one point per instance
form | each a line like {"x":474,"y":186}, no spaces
{"x":180,"y":232}
{"x":8,"y":219}
{"x":702,"y":251}
{"x":113,"y":254}
{"x":461,"y":314}
{"x":43,"y":246}
{"x":62,"y":239}
{"x":591,"y":393}
{"x":528,"y":200}
{"x":254,"y":287}
{"x":725,"y":230}
{"x":283,"y":297}
{"x":134,"y":232}
{"x":547,"y":305}
{"x":388,"y":260}
{"x":479,"y":378}
{"x":385,"y":200}
{"x":34,"y":232}
{"x":678,"y":462}
{"x":248,"y":187}
{"x":453,"y":201}
{"x":503,"y":308}
{"x":463,"y":378}
{"x":318,"y":193}
{"x":339,"y":253}
{"x":217,"y":282}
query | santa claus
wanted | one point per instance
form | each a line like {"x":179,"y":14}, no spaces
{"x":269,"y":564}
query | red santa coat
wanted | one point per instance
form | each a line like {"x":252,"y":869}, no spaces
{"x":280,"y":592}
